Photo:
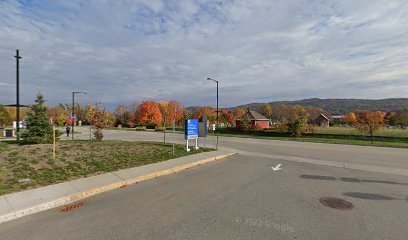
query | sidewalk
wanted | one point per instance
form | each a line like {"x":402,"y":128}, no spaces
{"x":24,"y":203}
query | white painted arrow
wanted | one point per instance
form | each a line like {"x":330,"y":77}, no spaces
{"x":277,"y":167}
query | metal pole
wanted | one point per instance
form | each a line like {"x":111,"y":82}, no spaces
{"x":53,"y":141}
{"x":174,"y":123}
{"x":216,"y":126}
{"x":73,"y":112}
{"x":18,"y":93}
{"x":164,"y":132}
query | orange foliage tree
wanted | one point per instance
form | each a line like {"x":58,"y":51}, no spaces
{"x":349,"y":118}
{"x":210,"y":112}
{"x":149,"y":113}
{"x":226,"y":117}
{"x":239,"y":112}
{"x":174,"y":110}
{"x":369,"y":122}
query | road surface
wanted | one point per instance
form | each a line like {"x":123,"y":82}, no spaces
{"x":240,"y":197}
{"x":396,"y":158}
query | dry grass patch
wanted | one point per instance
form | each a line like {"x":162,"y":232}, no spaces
{"x":18,"y":163}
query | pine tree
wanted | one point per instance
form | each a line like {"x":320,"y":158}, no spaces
{"x":38,"y":127}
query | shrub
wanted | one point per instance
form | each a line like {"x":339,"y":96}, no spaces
{"x":298,"y":127}
{"x":98,"y":134}
{"x":281,"y":127}
{"x":256,"y":129}
{"x":160,"y":129}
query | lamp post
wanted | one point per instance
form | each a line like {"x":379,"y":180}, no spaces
{"x":216,"y":124}
{"x":73,"y":112}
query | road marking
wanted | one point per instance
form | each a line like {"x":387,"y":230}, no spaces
{"x":277,"y":167}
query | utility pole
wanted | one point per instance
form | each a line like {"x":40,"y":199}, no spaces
{"x":18,"y":93}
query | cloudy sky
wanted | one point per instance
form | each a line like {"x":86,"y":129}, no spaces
{"x":259,"y":50}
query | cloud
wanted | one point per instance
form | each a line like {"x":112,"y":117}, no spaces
{"x":260,"y":50}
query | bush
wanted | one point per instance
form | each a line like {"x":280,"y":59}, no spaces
{"x":98,"y":134}
{"x":281,"y":127}
{"x":159,"y":129}
{"x":298,"y":127}
{"x":140,"y":128}
{"x":256,"y":129}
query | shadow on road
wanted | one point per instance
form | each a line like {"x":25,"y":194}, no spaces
{"x":369,"y":196}
{"x":348,"y":179}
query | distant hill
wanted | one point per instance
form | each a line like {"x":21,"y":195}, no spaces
{"x":344,"y":106}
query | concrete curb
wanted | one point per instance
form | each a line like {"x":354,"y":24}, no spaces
{"x":100,"y":189}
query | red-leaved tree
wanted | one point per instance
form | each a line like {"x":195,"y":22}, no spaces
{"x":99,"y":119}
{"x":149,"y":113}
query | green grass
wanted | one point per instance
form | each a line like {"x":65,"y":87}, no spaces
{"x":338,"y":135}
{"x":75,"y":159}
{"x":383,"y":132}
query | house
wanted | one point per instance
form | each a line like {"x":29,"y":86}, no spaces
{"x":254,"y":119}
{"x":321,"y":121}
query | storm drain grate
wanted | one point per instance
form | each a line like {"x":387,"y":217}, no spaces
{"x":73,"y":206}
{"x":336,"y":203}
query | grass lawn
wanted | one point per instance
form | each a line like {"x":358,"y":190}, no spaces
{"x":322,"y":139}
{"x":383,"y":132}
{"x":75,"y":160}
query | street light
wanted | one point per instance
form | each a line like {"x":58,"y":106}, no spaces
{"x":73,"y":112}
{"x":216,"y":124}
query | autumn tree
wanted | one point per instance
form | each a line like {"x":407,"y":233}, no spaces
{"x":400,"y":118}
{"x":99,"y":119}
{"x":210,"y":112}
{"x":226,"y":117}
{"x":149,"y":113}
{"x":12,"y":112}
{"x":182,"y":115}
{"x":173,"y":111}
{"x":265,"y":110}
{"x":163,"y":106}
{"x":238,"y":113}
{"x":5,"y":118}
{"x":58,"y":114}
{"x":245,"y":123}
{"x":349,"y":118}
{"x":369,"y":122}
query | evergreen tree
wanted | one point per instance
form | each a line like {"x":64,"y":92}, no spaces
{"x":38,"y":126}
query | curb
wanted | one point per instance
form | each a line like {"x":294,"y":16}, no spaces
{"x":85,"y":194}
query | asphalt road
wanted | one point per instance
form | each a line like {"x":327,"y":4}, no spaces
{"x":240,"y":197}
{"x":396,"y":158}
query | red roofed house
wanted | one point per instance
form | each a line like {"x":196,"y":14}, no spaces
{"x":254,"y":118}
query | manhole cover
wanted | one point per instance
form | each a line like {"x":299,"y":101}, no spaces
{"x":336,"y":203}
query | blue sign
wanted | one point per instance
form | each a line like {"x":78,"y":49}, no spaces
{"x":72,"y":117}
{"x":191,"y":129}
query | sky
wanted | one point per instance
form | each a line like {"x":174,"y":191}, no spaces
{"x":124,"y":51}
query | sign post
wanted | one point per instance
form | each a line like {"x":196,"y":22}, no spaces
{"x":191,"y":132}
{"x":203,"y":128}
{"x":164,"y":132}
